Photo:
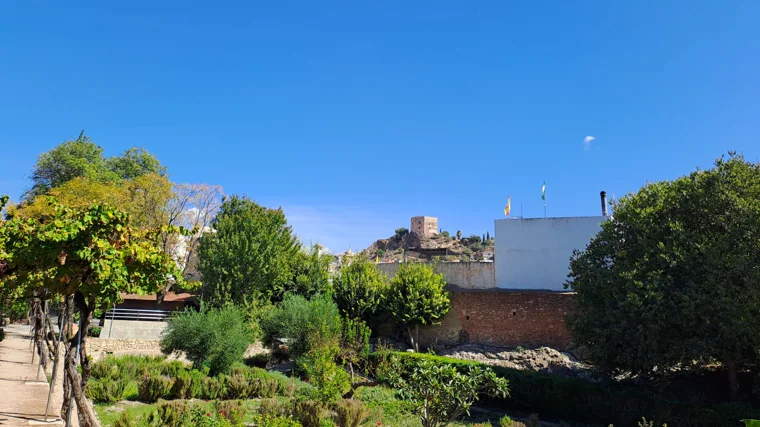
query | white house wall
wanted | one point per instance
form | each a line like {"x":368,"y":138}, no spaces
{"x":535,"y":253}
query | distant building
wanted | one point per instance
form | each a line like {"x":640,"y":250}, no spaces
{"x":425,"y":226}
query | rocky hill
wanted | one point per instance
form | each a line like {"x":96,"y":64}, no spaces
{"x":441,"y":247}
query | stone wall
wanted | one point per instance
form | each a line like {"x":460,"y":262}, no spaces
{"x":97,"y":345}
{"x":464,"y":275}
{"x":132,"y":329}
{"x":505,"y":318}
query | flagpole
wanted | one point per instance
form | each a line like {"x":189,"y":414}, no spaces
{"x":544,"y":208}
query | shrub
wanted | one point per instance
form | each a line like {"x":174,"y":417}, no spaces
{"x":124,"y":421}
{"x":310,"y":413}
{"x":237,"y":386}
{"x":153,"y":387}
{"x":173,"y":413}
{"x":216,"y":338}
{"x":354,"y":343}
{"x":188,"y":385}
{"x":94,"y":332}
{"x":440,"y":393}
{"x":506,"y":421}
{"x":578,"y":400}
{"x":275,"y":408}
{"x":212,"y":388}
{"x":173,"y":368}
{"x":106,"y":390}
{"x":350,"y":413}
{"x":304,"y":324}
{"x":331,"y":382}
{"x":232,"y":410}
{"x":401,"y":232}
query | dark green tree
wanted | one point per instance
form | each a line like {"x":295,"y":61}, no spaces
{"x":417,"y":296}
{"x":83,"y":158}
{"x":311,"y":274}
{"x":401,"y":232}
{"x":249,"y":255}
{"x":359,"y":288}
{"x":671,"y":280}
{"x":488,"y":235}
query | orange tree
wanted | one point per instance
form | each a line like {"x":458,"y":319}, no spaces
{"x":88,"y":257}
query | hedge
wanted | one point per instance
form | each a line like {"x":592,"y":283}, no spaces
{"x":574,"y":399}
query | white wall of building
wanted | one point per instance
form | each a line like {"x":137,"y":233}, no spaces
{"x":534,"y":253}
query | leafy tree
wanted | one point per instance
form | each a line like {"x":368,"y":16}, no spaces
{"x":439,"y":393}
{"x":417,"y":297}
{"x":474,"y":238}
{"x":671,"y":279}
{"x":401,"y":232}
{"x":135,"y":162}
{"x":83,"y":158}
{"x":444,"y":234}
{"x":311,"y":274}
{"x":359,"y":288}
{"x":89,"y":257}
{"x":459,"y":234}
{"x":214,"y":338}
{"x":250,"y":254}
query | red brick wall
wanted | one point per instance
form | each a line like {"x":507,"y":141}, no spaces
{"x":504,"y":318}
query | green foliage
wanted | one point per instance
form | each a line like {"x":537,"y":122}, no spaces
{"x":154,"y":387}
{"x":331,"y":382}
{"x":106,"y":390}
{"x":93,"y":252}
{"x":401,"y":232}
{"x":417,"y":296}
{"x":213,"y":388}
{"x":439,"y":392}
{"x":124,"y":421}
{"x":380,"y":253}
{"x":670,"y":281}
{"x":578,"y":400}
{"x":751,"y":423}
{"x":310,"y":273}
{"x":350,"y":413}
{"x":188,"y":385}
{"x":444,"y":234}
{"x":506,"y":421}
{"x":303,"y":324}
{"x":474,"y":238}
{"x":83,"y":158}
{"x":359,"y":288}
{"x":310,"y":413}
{"x":216,"y":338}
{"x":354,"y":343}
{"x":184,"y":414}
{"x":250,"y":255}
{"x":94,"y":331}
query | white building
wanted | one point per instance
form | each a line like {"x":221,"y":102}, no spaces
{"x":535,"y":253}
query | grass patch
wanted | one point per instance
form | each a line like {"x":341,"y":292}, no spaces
{"x":108,"y":414}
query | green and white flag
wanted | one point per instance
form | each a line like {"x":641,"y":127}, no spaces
{"x":543,"y":191}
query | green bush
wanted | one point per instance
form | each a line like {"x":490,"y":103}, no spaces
{"x":94,"y":332}
{"x":154,"y":387}
{"x":106,"y":390}
{"x":311,"y":413}
{"x":574,"y":399}
{"x":124,"y":421}
{"x":188,"y":385}
{"x":216,"y":338}
{"x":275,"y":408}
{"x":350,"y":413}
{"x":213,"y":388}
{"x":173,"y":368}
{"x":232,"y":410}
{"x":303,"y":324}
{"x":330,"y":381}
{"x":506,"y":421}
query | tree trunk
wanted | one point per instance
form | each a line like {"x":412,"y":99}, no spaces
{"x":411,"y":338}
{"x":70,"y":346}
{"x":417,"y":337}
{"x":86,"y":412}
{"x":733,"y":382}
{"x":85,"y":318}
{"x":39,"y":329}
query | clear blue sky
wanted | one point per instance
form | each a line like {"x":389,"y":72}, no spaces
{"x":356,"y":115}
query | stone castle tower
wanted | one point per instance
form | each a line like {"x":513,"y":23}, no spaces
{"x":425,"y":226}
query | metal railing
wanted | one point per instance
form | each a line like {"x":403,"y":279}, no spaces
{"x":138,"y":314}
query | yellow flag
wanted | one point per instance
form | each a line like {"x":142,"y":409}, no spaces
{"x":508,"y":207}
{"x":377,"y":259}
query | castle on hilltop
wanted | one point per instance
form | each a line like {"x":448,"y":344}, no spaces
{"x":425,"y":226}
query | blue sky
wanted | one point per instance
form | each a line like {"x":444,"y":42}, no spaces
{"x":355,"y":116}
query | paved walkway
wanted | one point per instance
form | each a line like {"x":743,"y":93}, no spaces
{"x":22,"y":397}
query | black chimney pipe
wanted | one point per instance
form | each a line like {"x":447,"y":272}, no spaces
{"x":603,"y":194}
